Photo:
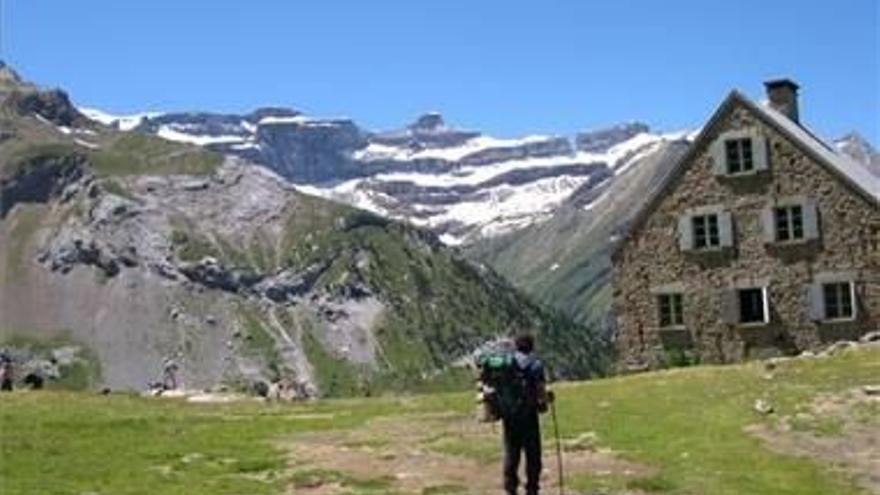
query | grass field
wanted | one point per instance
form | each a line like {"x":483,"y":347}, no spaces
{"x":681,"y":431}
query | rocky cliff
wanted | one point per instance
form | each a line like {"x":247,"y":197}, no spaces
{"x":463,"y":185}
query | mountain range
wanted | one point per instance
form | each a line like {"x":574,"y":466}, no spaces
{"x":350,"y":256}
{"x":539,"y":209}
{"x":122,"y":250}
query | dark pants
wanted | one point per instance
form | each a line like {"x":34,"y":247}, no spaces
{"x":522,"y":434}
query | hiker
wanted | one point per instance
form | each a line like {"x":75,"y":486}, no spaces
{"x":7,"y":374}
{"x":34,"y":380}
{"x":169,"y":374}
{"x":514,"y":391}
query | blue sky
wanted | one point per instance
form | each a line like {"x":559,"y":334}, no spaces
{"x":506,"y":67}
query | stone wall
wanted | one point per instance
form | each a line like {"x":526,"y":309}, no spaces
{"x":650,"y":258}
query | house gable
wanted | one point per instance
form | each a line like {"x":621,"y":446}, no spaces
{"x":859,"y":181}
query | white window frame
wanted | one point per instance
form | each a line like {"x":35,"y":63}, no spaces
{"x":723,"y":222}
{"x":810,"y":228}
{"x":759,"y":152}
{"x":816,"y":303}
{"x":765,"y":309}
{"x":789,"y":211}
{"x":707,"y":236}
{"x":737,"y":142}
{"x":735,"y":294}
{"x":673,"y":325}
{"x":852,"y":301}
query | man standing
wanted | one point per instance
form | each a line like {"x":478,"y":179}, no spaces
{"x":169,"y":374}
{"x":522,"y":430}
{"x":7,"y":373}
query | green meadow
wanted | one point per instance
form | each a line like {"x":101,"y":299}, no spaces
{"x":680,"y":431}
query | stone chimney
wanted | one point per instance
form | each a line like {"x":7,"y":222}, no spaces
{"x":783,"y":97}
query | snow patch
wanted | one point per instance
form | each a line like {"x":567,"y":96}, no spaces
{"x":245,"y":146}
{"x":87,"y":144}
{"x":170,"y":133}
{"x":300,"y":120}
{"x":249,"y":127}
{"x":375,"y":151}
{"x":124,"y":122}
{"x":507,"y":203}
{"x":450,"y":240}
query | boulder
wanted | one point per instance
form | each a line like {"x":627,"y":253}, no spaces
{"x":838,"y":347}
{"x":112,"y":208}
{"x":70,"y":250}
{"x":211,"y":274}
{"x":872,"y":390}
{"x":761,"y":406}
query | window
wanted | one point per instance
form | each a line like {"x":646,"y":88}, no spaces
{"x":670,"y":310}
{"x":706,"y":228}
{"x":753,"y":306}
{"x":748,"y":305}
{"x":789,"y":223}
{"x":792,"y":219}
{"x":705,"y":231}
{"x":838,"y":299}
{"x":833,"y":297}
{"x":738,"y":154}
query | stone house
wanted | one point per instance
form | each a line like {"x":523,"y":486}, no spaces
{"x":762,"y":240}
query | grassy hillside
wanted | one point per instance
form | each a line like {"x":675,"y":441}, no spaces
{"x":438,"y":306}
{"x":687,"y":431}
{"x":565,"y":262}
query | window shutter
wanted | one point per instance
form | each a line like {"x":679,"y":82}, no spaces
{"x":760,"y":156}
{"x":719,"y":157}
{"x":685,"y":233}
{"x":765,"y":293}
{"x":725,"y":229}
{"x":730,"y":306}
{"x":854,"y":300}
{"x":811,"y":220}
{"x":768,"y":221}
{"x":816,"y":302}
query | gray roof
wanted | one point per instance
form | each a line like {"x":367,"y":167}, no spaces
{"x":855,"y":173}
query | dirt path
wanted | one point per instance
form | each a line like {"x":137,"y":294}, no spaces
{"x":426,"y":454}
{"x":841,"y":430}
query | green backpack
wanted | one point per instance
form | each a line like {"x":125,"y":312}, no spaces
{"x":504,"y":385}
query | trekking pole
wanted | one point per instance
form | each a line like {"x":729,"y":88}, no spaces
{"x":558,"y":447}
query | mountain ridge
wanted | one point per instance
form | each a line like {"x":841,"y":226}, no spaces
{"x":488,"y":196}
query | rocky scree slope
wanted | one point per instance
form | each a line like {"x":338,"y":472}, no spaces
{"x":137,"y":249}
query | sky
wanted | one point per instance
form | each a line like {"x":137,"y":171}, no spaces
{"x":506,"y":67}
